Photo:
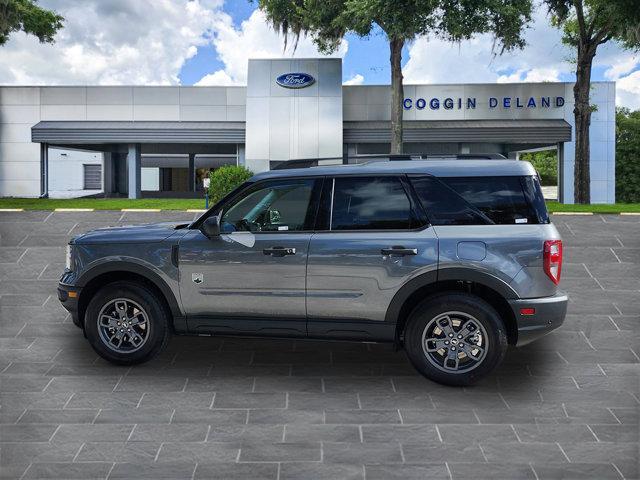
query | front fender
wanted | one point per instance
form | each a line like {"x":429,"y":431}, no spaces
{"x":168,"y":285}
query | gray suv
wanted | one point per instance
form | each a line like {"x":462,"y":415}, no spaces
{"x":452,"y":260}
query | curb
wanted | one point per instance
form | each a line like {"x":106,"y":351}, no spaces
{"x":571,"y":213}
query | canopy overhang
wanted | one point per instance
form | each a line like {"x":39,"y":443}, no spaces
{"x":436,"y":131}
{"x":88,"y":132}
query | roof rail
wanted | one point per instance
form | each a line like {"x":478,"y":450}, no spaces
{"x":314,"y":162}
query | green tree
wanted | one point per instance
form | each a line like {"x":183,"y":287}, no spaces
{"x":224,"y":179}
{"x":328,"y":21}
{"x":28,"y":17}
{"x":627,"y":156}
{"x":587,"y":24}
{"x":545,"y":163}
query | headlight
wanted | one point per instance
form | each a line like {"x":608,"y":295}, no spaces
{"x":69,"y":252}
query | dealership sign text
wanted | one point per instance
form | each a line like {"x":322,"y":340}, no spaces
{"x":492,"y":102}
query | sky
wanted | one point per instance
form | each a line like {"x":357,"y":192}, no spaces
{"x":208,"y":42}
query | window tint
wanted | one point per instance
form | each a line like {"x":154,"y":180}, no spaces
{"x":482,"y":200}
{"x":270,"y":207}
{"x":444,"y":206}
{"x":370,"y":203}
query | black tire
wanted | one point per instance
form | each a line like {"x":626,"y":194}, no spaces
{"x":140,"y":297}
{"x":460,"y":307}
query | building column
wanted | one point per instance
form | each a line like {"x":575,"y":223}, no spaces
{"x":107,"y":173}
{"x":560,"y":157}
{"x":241,"y":160}
{"x":134,"y":170}
{"x":192,"y":172}
{"x":44,"y":170}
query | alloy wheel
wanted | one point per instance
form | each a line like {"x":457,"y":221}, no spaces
{"x":123,"y":325}
{"x":455,"y":342}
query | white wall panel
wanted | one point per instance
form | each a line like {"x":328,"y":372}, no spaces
{"x":203,"y":113}
{"x":156,"y":112}
{"x":236,"y":95}
{"x":110,"y":112}
{"x":63,"y":95}
{"x":19,"y":114}
{"x":156,"y":95}
{"x":63,"y":112}
{"x":109,"y":95}
{"x":19,"y":188}
{"x":203,"y":96}
{"x":20,"y":170}
{"x":19,"y":95}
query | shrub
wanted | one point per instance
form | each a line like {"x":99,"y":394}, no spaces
{"x":224,"y":179}
{"x":627,"y":156}
{"x":546,"y":163}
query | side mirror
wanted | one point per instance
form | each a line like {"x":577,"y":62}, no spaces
{"x":211,"y":227}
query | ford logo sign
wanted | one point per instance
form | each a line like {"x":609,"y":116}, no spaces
{"x":295,"y":80}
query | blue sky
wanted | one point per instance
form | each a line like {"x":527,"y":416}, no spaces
{"x":365,"y":56}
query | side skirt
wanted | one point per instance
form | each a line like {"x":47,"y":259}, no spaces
{"x":348,"y":329}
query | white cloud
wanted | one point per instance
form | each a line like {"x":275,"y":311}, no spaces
{"x":253,"y":39}
{"x":357,"y":79}
{"x":531,"y":75}
{"x":217,"y":78}
{"x":436,"y":61}
{"x":628,"y":91}
{"x":115,"y":42}
{"x":622,"y":65}
{"x":545,"y":58}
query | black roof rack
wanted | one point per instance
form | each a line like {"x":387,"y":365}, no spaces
{"x":314,"y":162}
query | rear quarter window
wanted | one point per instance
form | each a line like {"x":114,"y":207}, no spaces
{"x":482,"y":200}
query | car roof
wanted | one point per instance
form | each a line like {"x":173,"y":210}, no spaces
{"x":437,"y":168}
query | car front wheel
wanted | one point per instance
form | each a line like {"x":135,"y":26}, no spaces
{"x":455,"y":338}
{"x":126,"y":323}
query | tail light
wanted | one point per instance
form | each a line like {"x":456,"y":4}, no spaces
{"x":553,"y":259}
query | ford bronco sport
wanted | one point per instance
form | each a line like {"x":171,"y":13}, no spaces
{"x":452,"y":260}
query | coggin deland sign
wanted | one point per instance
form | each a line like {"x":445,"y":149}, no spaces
{"x":469,"y":103}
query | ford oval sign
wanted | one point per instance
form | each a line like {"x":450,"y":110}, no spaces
{"x":295,"y":80}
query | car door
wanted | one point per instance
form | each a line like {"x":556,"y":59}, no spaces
{"x":375,"y":239}
{"x":252,"y":277}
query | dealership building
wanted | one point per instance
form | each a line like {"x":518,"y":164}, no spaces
{"x":150,"y":141}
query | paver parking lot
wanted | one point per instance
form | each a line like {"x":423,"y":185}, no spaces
{"x":564,"y":407}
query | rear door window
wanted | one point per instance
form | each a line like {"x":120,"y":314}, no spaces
{"x":482,"y":200}
{"x":371,"y":203}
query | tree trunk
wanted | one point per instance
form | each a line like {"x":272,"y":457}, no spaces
{"x":397,"y":94}
{"x":582,"y":114}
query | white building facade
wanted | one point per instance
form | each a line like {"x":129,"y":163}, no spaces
{"x":162,"y":141}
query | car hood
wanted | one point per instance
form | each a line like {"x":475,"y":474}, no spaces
{"x":150,"y":233}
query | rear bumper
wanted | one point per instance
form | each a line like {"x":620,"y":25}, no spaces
{"x":549,"y":315}
{"x":68,"y":296}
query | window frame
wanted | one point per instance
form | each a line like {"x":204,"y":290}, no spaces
{"x":323,"y":225}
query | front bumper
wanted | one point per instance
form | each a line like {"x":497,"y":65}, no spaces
{"x":68,"y":296}
{"x":549,"y":315}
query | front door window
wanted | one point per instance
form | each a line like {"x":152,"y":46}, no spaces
{"x":277,"y":206}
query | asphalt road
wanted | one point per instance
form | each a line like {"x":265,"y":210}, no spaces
{"x":564,"y":407}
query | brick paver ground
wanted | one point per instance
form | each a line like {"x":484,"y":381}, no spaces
{"x":564,"y":407}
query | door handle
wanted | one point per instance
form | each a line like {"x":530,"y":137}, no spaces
{"x":399,"y":251}
{"x":279,"y":251}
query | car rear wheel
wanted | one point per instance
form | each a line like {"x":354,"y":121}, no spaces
{"x":127,"y":323}
{"x":455,"y":338}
